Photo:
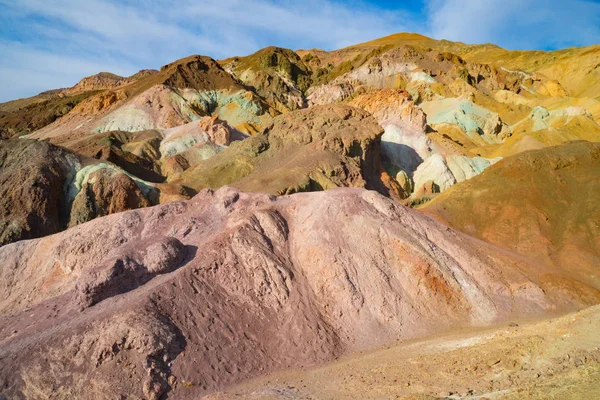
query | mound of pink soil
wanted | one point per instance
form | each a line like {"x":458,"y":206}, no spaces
{"x":189,"y":297}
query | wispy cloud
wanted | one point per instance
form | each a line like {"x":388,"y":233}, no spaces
{"x":516,"y":24}
{"x":50,"y":44}
{"x":55,"y":43}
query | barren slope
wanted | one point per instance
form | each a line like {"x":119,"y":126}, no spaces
{"x":541,"y":203}
{"x":314,"y":149}
{"x":193,"y":296}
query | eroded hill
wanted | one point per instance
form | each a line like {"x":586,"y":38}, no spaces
{"x":145,"y":253}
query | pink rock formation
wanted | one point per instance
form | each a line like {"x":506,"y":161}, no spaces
{"x":218,"y":131}
{"x":188,"y":297}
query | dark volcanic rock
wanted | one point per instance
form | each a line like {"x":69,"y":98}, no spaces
{"x":32,"y":200}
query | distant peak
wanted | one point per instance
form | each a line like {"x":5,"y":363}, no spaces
{"x":195,"y":58}
{"x":107,"y":75}
{"x":99,"y":81}
{"x":142,"y":74}
{"x":407,"y":36}
{"x":395,"y":38}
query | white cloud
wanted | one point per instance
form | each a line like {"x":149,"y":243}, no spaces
{"x":72,"y":39}
{"x":516,"y":24}
{"x":25,"y":71}
{"x":49,"y":44}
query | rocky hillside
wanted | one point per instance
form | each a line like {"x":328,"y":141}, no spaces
{"x":177,"y":232}
{"x":315,"y":149}
{"x":278,"y":75}
{"x":189,"y":297}
{"x":23,"y":116}
{"x":470,"y":105}
{"x":542,"y":204}
{"x":448,"y":112}
{"x":45,"y":188}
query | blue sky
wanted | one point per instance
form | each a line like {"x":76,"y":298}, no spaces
{"x":48,"y":44}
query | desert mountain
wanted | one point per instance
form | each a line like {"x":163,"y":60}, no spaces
{"x":155,"y":240}
{"x":314,"y":149}
{"x":180,"y":92}
{"x":479,"y":101}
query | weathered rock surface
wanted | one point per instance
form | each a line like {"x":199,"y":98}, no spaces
{"x":45,"y":188}
{"x":180,"y":92}
{"x":406,"y":146}
{"x":557,"y":358}
{"x":189,"y":297}
{"x":32,"y":201}
{"x":314,"y":149}
{"x":450,"y":170}
{"x":404,"y":142}
{"x":106,"y":80}
{"x":38,"y":113}
{"x":100,"y":81}
{"x":468,"y":116}
{"x":278,"y":75}
{"x":542,"y":204}
{"x":104,"y":192}
{"x":218,"y":131}
{"x":152,"y":155}
{"x":138,"y":153}
{"x":428,"y":74}
{"x":24,"y":116}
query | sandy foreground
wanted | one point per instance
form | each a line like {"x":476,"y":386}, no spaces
{"x":557,"y":358}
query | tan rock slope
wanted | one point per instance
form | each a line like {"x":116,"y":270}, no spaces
{"x":314,"y":149}
{"x":543,"y":204}
{"x":188,"y":297}
{"x":24,"y":117}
